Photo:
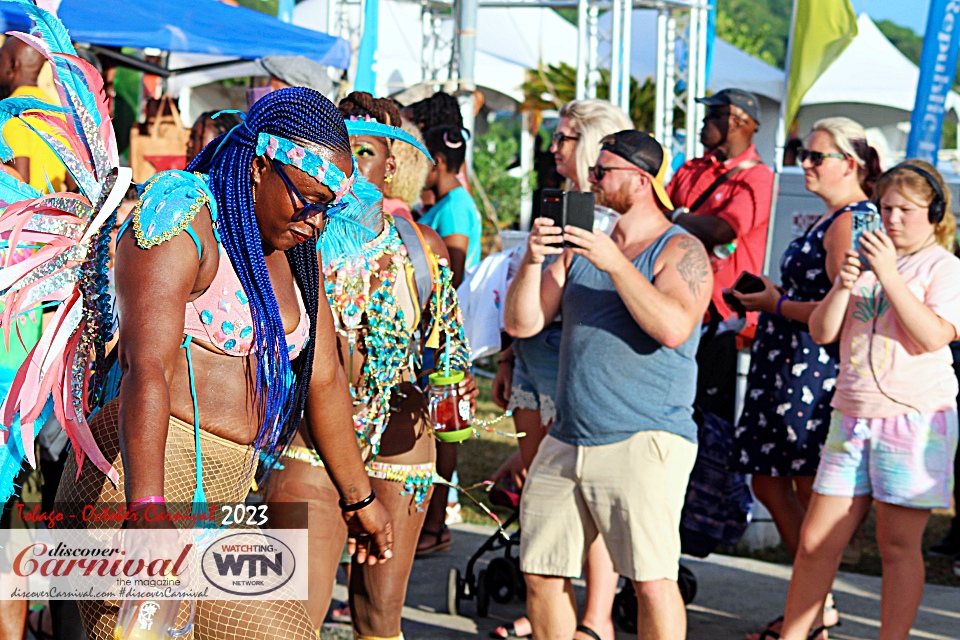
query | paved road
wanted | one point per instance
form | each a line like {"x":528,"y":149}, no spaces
{"x":735,"y":596}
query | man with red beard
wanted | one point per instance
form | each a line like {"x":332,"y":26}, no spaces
{"x":619,"y":454}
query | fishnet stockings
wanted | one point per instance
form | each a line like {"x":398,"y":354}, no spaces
{"x":225,"y":464}
{"x":377,"y":592}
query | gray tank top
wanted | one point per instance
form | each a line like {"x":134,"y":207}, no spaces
{"x":615,"y":380}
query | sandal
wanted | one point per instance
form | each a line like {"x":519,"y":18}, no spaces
{"x":587,"y":631}
{"x":774,"y":625}
{"x":341,"y":613}
{"x":507,"y":632}
{"x":830,"y":610}
{"x":35,"y":624}
{"x":439,"y":545}
{"x":813,"y":635}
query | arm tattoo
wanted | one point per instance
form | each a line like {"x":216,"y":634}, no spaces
{"x":693,"y":266}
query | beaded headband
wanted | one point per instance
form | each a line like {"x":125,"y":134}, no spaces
{"x":291,"y":153}
{"x":367,"y":126}
{"x":356,"y":220}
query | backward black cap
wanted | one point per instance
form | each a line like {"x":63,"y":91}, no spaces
{"x":641,"y":149}
{"x":637,"y":147}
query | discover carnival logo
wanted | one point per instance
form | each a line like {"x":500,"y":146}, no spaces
{"x":174,"y":564}
{"x":248,"y":564}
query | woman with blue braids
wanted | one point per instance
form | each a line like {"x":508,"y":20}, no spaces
{"x":227,"y":342}
{"x":389,"y":302}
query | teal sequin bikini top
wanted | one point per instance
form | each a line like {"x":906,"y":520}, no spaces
{"x":220,"y":315}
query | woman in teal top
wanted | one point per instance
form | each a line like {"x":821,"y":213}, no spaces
{"x":455,"y":217}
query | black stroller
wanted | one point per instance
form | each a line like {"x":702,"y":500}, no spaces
{"x":501,"y":580}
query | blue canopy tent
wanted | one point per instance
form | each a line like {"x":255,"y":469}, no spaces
{"x":188,"y":26}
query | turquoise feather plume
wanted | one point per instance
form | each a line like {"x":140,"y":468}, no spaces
{"x":354,"y":223}
{"x":13,"y":107}
{"x":75,"y":84}
{"x":48,"y":27}
{"x":13,"y":190}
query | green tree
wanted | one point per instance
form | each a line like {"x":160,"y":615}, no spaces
{"x":903,"y":38}
{"x":270,"y":7}
{"x":556,"y":85}
{"x":498,"y":195}
{"x":745,"y":37}
{"x":759,"y":27}
{"x":911,"y":45}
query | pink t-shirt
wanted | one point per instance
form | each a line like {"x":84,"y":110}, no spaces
{"x":898,"y":374}
{"x":397,"y":207}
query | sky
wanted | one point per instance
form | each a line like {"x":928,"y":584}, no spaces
{"x":908,"y":13}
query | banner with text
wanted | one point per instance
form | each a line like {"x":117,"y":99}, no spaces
{"x":938,"y":66}
{"x":161,"y":564}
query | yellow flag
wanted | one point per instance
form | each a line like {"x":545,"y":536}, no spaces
{"x":822,"y":29}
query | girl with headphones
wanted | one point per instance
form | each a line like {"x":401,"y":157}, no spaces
{"x":893,"y":433}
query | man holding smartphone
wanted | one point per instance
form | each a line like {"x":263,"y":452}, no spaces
{"x":617,"y":460}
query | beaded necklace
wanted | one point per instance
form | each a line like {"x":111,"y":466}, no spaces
{"x":374,"y":322}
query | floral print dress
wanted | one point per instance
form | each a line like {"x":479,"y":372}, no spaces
{"x":786,"y":413}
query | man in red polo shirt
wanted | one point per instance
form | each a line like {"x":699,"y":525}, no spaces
{"x":723,"y":198}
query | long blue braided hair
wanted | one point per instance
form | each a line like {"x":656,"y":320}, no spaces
{"x":305,"y":116}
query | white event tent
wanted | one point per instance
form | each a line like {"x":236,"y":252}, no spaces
{"x":873,"y":83}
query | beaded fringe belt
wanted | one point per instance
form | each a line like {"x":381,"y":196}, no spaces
{"x":415,"y":478}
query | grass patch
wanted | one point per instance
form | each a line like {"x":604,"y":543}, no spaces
{"x":479,"y":458}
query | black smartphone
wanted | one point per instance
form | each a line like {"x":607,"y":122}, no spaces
{"x":746,"y":283}
{"x":572,"y":208}
{"x":863,"y":221}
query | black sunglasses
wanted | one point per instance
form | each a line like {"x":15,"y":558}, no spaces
{"x":716,"y":113}
{"x":310,"y":209}
{"x":599,"y":171}
{"x":816,"y":157}
{"x":560,"y":138}
{"x":719,"y":113}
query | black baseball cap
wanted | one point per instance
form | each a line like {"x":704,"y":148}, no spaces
{"x":641,"y":149}
{"x":736,"y":97}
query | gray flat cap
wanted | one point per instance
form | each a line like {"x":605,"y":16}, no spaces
{"x":298,"y":71}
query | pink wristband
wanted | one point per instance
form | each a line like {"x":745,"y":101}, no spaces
{"x":143,"y":503}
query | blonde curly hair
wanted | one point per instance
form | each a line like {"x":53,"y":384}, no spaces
{"x":412,"y":169}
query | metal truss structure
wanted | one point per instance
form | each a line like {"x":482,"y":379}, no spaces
{"x":681,"y":59}
{"x":449,"y":45}
{"x":680,"y":66}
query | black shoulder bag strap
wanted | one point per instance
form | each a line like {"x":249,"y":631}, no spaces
{"x":723,"y":177}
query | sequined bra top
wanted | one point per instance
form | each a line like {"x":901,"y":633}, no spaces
{"x":220,"y":315}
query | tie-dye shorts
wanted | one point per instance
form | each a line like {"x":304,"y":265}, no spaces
{"x":905,"y":460}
